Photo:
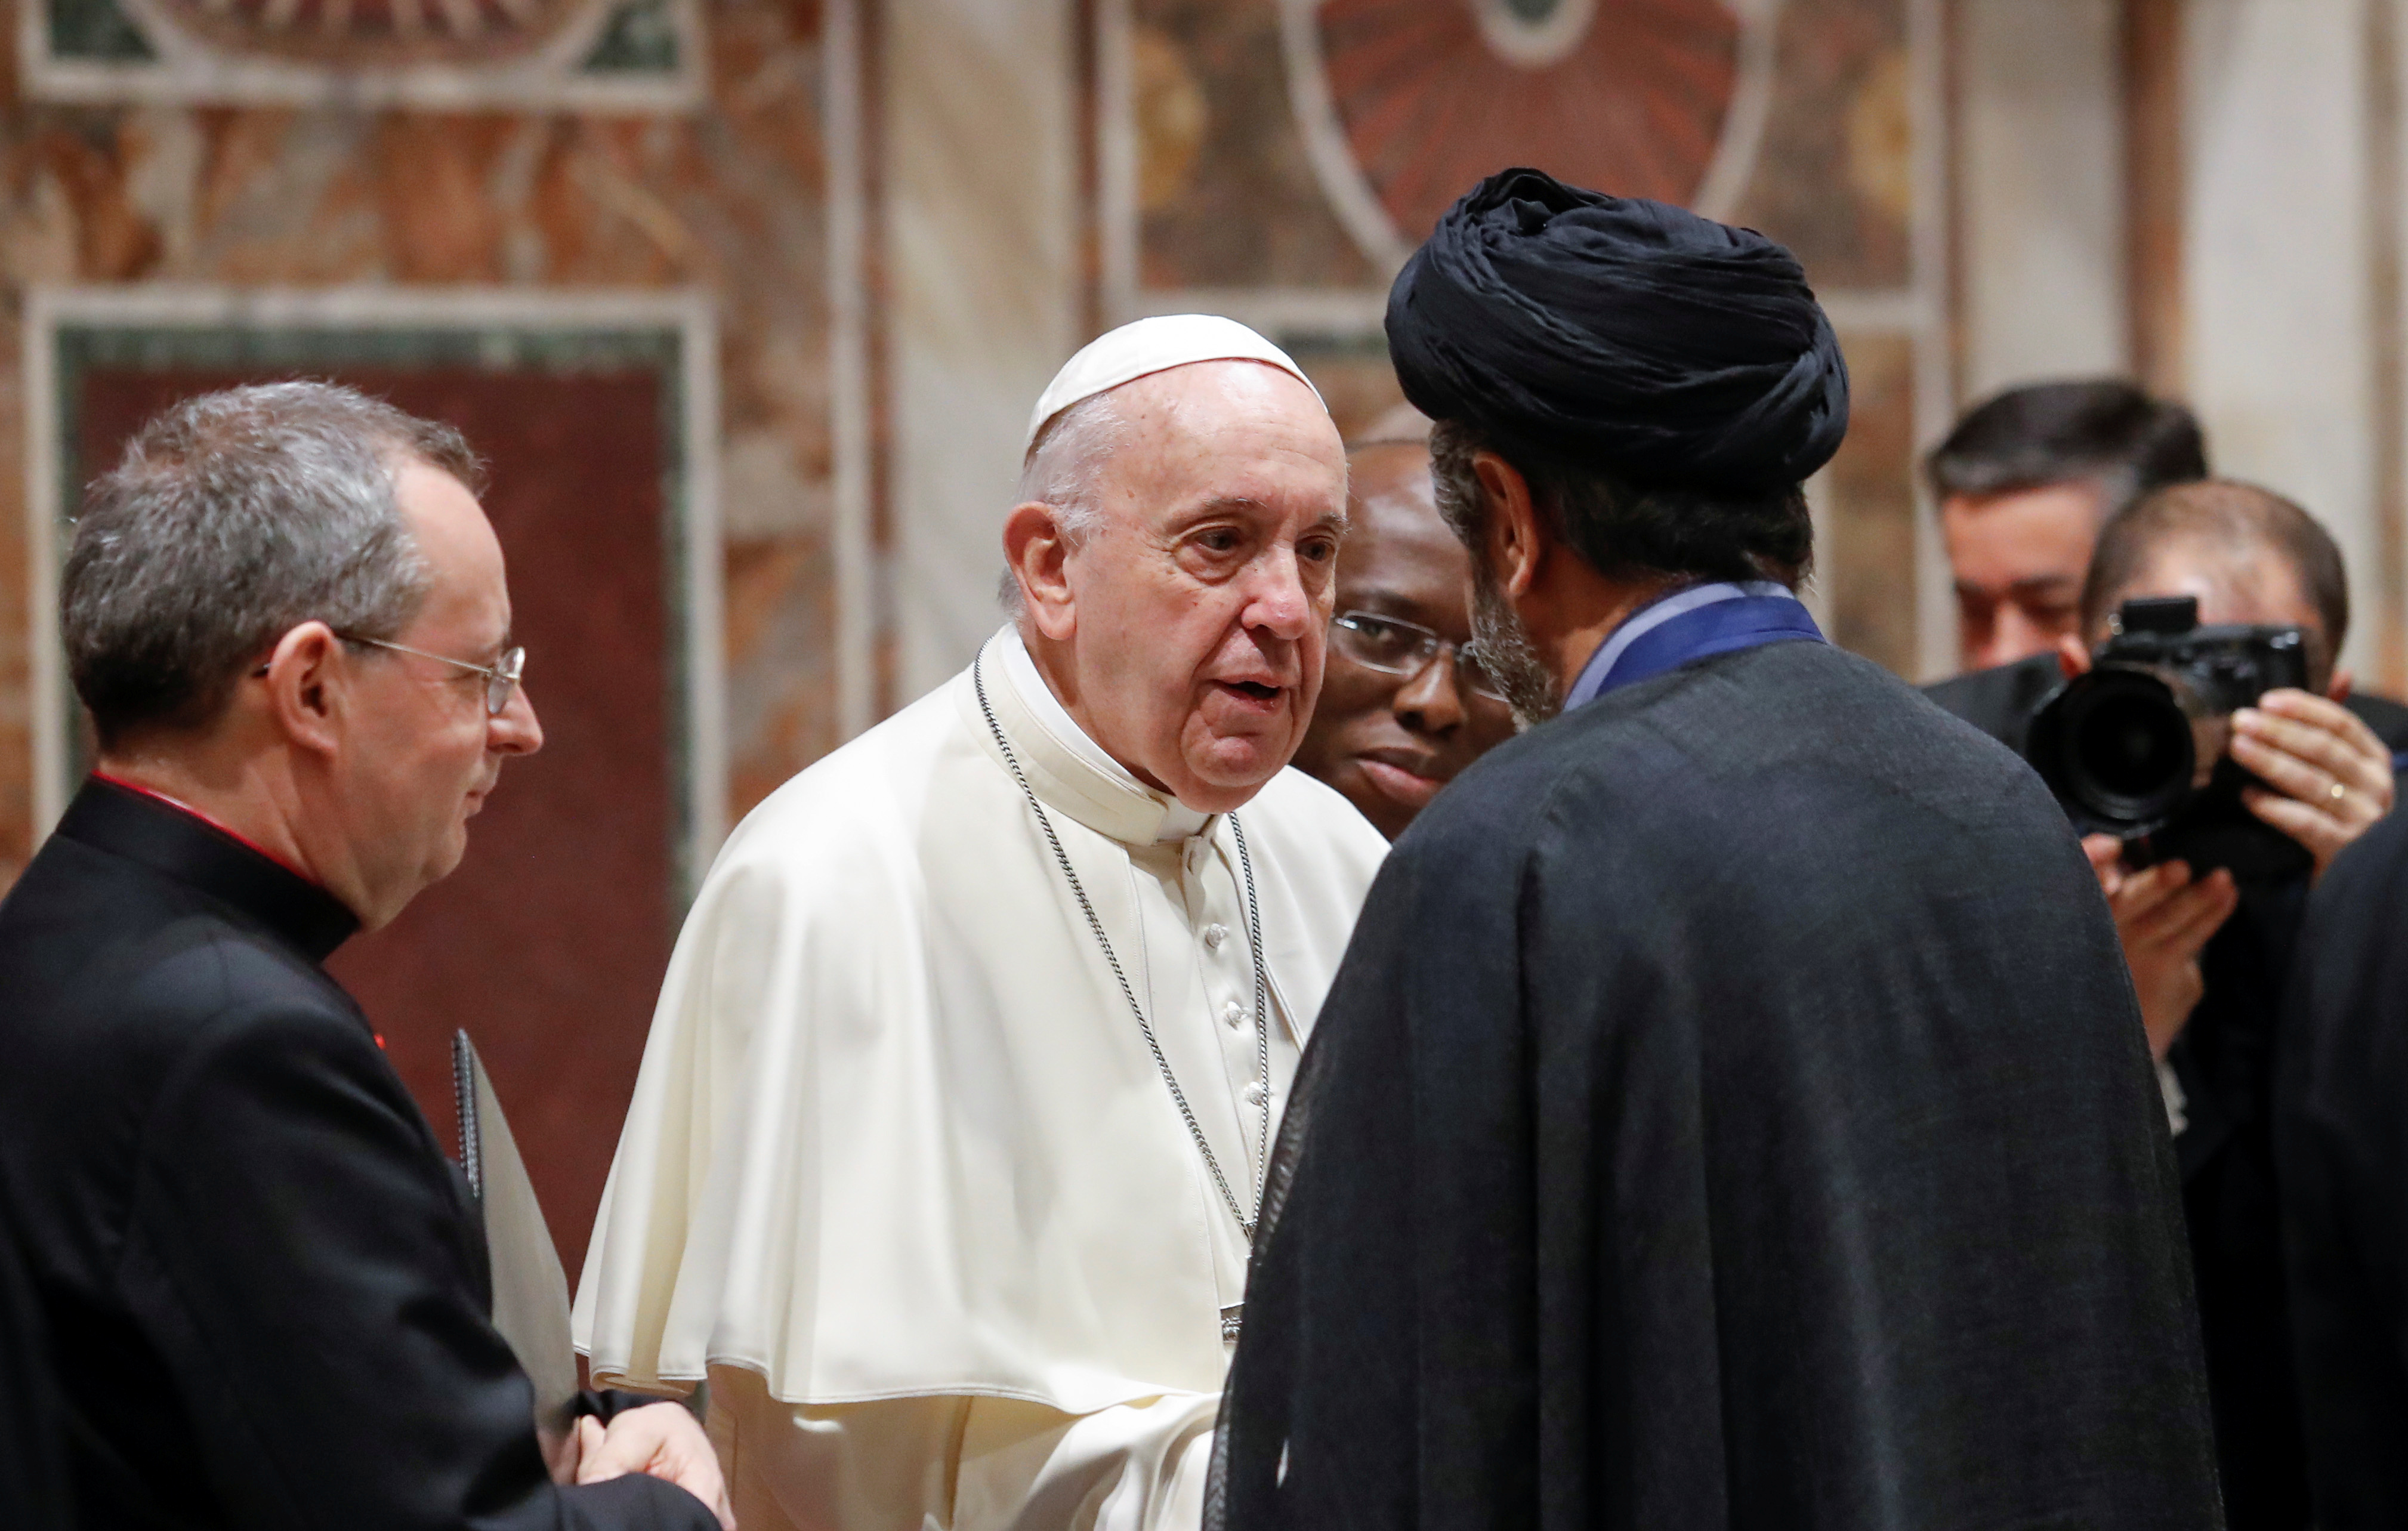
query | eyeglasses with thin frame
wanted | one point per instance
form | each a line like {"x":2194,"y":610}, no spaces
{"x":502,"y":676}
{"x":1393,"y":646}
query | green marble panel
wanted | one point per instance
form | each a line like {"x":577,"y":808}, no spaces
{"x":641,"y":38}
{"x":96,"y":32}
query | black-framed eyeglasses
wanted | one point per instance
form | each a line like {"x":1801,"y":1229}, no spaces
{"x":1393,"y":646}
{"x":502,"y":676}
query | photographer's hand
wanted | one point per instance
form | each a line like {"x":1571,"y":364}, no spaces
{"x":2331,"y":776}
{"x":2164,"y":920}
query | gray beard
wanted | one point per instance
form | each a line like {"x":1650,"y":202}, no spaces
{"x":1509,"y":657}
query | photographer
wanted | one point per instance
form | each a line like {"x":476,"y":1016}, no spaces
{"x":2210,"y":954}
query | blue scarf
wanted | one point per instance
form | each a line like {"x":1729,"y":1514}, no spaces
{"x":1690,"y":625}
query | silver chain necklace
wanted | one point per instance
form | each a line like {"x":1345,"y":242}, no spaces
{"x":1254,"y":941}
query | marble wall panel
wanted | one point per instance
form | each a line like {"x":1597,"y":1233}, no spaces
{"x":1834,"y":180}
{"x":2280,"y":313}
{"x":1354,"y":376}
{"x":982,"y":274}
{"x":1866,"y":543}
{"x":1227,"y":197}
{"x":2039,"y":190}
{"x":729,"y":199}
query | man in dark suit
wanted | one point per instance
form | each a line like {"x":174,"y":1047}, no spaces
{"x":2340,"y":1153}
{"x":1730,"y":1111}
{"x":2209,"y":956}
{"x":1400,"y":710}
{"x":266,"y":1292}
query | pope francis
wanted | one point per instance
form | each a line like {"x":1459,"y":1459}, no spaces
{"x":948,"y":1145}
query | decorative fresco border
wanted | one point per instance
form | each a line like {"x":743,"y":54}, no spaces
{"x":644,"y":56}
{"x":674,"y":335}
{"x":1357,"y":205}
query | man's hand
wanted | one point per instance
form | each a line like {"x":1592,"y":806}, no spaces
{"x":2164,"y":919}
{"x":2330,"y":775}
{"x":660,"y":1440}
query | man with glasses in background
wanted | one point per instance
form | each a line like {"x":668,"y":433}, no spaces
{"x":1403,"y":707}
{"x":266,"y":1292}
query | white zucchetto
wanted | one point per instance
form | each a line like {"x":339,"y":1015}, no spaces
{"x":1152,"y":345}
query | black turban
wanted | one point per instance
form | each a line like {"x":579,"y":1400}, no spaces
{"x":1654,"y":343}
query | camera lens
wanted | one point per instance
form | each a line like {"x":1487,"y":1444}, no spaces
{"x":2122,"y":748}
{"x":2127,"y":752}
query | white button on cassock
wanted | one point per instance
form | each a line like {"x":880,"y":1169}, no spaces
{"x":1214,"y":935}
{"x":1233,"y":1012}
{"x":1254,"y":1093}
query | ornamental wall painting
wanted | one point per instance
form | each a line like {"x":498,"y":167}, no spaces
{"x":1403,"y":103}
{"x":1312,"y":143}
{"x":1276,"y":160}
{"x":619,"y":55}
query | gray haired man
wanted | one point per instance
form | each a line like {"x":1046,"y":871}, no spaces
{"x":286,"y":613}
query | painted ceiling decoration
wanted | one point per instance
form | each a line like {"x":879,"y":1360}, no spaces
{"x":1404,"y":104}
{"x":376,"y":30}
{"x":628,"y":55}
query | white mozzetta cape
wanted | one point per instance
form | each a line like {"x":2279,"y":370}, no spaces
{"x":897,"y":1133}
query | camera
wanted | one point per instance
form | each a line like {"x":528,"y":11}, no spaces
{"x":2138,"y":747}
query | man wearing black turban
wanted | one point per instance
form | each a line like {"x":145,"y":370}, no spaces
{"x":1732,"y":1110}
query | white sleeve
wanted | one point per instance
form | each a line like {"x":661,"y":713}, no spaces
{"x":960,"y":1463}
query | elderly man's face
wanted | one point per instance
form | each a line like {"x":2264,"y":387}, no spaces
{"x":1198,"y":610}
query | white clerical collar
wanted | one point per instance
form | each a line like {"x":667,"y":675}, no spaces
{"x":1179,"y":820}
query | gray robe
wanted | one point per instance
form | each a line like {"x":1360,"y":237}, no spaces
{"x":1733,"y":1111}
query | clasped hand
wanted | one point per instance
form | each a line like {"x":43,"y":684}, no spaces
{"x":661,"y":1440}
{"x":2328,"y":780}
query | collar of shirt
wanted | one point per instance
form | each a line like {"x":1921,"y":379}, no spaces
{"x":1691,"y":624}
{"x":1077,"y":754}
{"x":164,"y":834}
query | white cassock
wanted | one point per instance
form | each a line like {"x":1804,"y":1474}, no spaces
{"x":901,"y":1174}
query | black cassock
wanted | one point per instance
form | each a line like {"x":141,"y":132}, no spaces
{"x":265,"y":1290}
{"x":2340,"y":1148}
{"x":1733,"y":1111}
{"x":33,"y":1462}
